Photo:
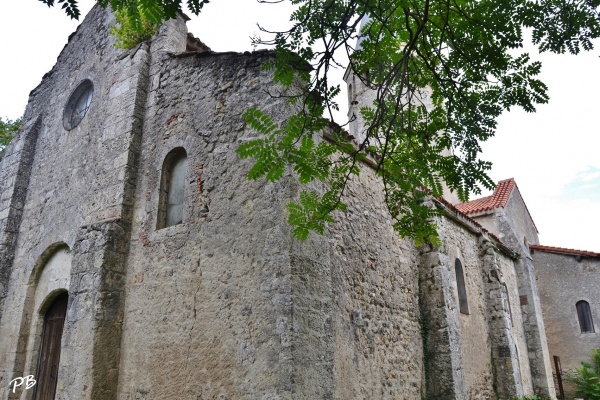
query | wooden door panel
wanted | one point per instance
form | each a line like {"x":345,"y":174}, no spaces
{"x":50,"y":350}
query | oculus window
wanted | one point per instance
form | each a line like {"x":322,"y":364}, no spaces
{"x":78,"y":104}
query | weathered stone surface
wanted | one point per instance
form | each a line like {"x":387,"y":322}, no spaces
{"x":375,"y":310}
{"x":563,"y":280}
{"x":513,"y":224}
{"x":227,"y":305}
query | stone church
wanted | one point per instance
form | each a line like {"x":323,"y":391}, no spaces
{"x":138,"y":262}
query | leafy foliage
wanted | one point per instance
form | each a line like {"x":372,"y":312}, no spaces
{"x":138,"y":12}
{"x":70,"y":7}
{"x":126,"y":34}
{"x":309,"y":159}
{"x":587,"y":377}
{"x":153,"y":12}
{"x":442,"y":72}
{"x":8,"y":129}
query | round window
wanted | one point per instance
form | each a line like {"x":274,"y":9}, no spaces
{"x":78,"y":104}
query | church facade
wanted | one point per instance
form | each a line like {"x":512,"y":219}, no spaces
{"x":138,"y":262}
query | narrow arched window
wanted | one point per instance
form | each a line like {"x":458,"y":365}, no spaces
{"x":172,"y":188}
{"x":507,"y":299}
{"x":585,"y":316}
{"x":462,"y":289}
{"x":350,"y":95}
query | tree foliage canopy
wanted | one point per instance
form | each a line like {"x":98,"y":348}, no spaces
{"x":8,"y":128}
{"x":129,"y":32}
{"x":442,"y":71}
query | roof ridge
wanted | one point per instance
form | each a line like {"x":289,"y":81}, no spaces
{"x":554,"y":249}
{"x":452,"y":207}
{"x":503,"y":191}
{"x":499,"y":198}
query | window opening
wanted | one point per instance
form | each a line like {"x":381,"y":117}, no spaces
{"x":350,"y":95}
{"x":170,"y":210}
{"x":585,"y":316}
{"x":508,"y":304}
{"x":78,"y":104}
{"x":462,"y":290}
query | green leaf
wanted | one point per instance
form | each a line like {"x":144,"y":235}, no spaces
{"x":8,"y":129}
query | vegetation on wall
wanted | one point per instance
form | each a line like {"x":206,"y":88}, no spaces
{"x":443,"y":72}
{"x":587,"y":377}
{"x":8,"y":128}
{"x":127,"y":34}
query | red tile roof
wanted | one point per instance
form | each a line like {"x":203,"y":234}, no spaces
{"x":562,"y":250}
{"x":453,"y":208}
{"x":498,"y":199}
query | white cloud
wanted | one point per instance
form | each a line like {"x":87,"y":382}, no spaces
{"x":589,"y":175}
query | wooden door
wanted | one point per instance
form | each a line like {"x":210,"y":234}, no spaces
{"x":47,"y":375}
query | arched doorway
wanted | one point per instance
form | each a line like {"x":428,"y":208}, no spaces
{"x":47,"y":371}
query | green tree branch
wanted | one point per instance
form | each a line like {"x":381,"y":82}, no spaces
{"x":8,"y":129}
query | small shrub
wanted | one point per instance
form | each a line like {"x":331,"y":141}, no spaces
{"x":587,"y":377}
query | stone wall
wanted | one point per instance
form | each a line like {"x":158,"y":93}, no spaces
{"x":514,"y":226}
{"x":511,"y":287}
{"x":230,"y":290}
{"x":375,"y":308}
{"x":474,"y":355}
{"x":531,"y":312}
{"x":226,"y":304}
{"x":78,"y":178}
{"x":212,"y":300}
{"x":521,"y":224}
{"x":476,"y":351}
{"x":488,"y":328}
{"x":563,"y":280}
{"x":15,"y":173}
{"x":359,"y":96}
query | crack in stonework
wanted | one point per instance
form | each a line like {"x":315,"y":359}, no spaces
{"x":187,"y":357}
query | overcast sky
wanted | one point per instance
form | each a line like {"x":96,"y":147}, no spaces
{"x":554,"y":154}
